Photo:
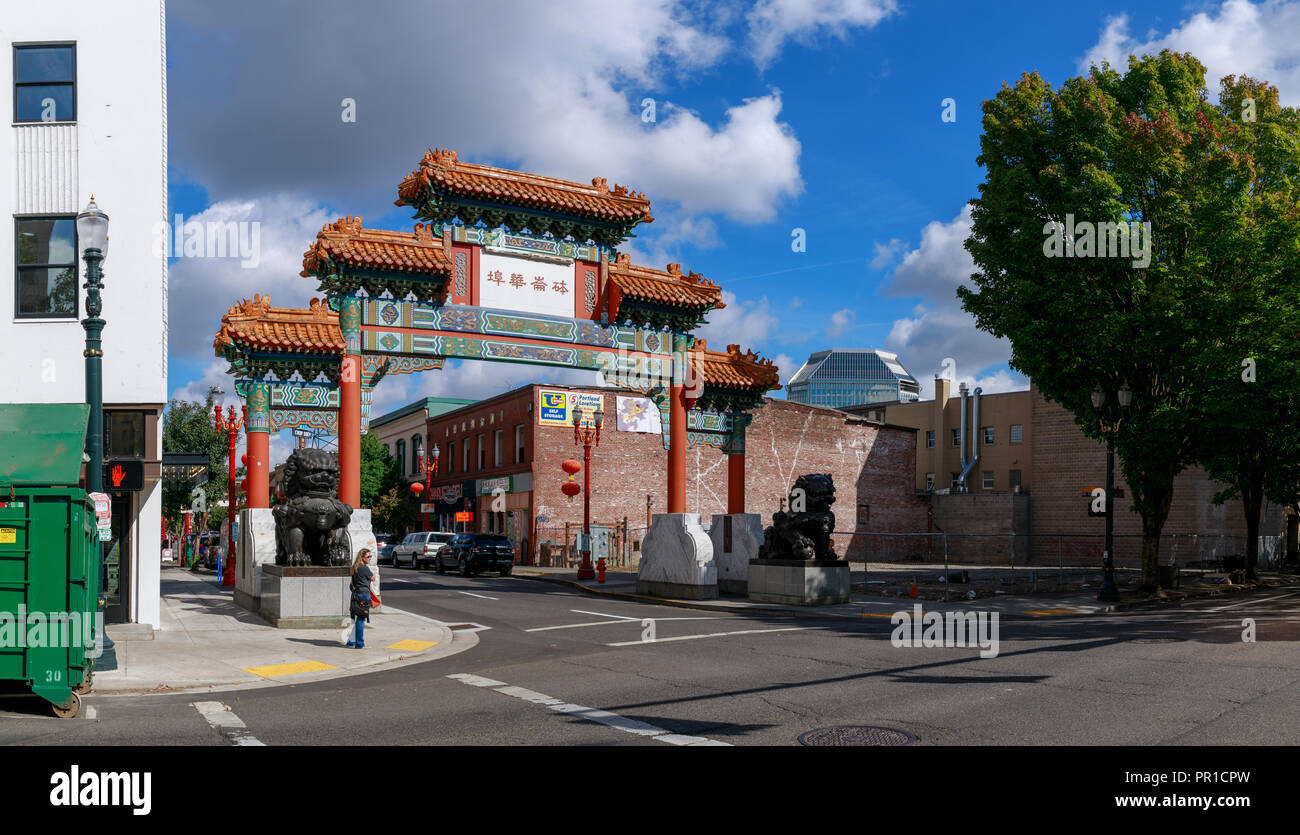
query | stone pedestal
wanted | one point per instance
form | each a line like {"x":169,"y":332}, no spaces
{"x":677,"y":559}
{"x":254,"y":549}
{"x":361,"y":536}
{"x":799,"y":582}
{"x":306,"y":596}
{"x":736,"y":539}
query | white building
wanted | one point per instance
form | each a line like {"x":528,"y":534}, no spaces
{"x":88,"y":97}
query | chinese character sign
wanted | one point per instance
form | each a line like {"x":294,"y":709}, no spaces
{"x":525,"y":285}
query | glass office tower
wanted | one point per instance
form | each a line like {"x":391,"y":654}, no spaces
{"x":852,"y":377}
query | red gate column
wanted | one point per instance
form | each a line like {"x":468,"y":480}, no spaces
{"x":350,"y":402}
{"x":676,"y":449}
{"x":258,"y":431}
{"x":736,"y":464}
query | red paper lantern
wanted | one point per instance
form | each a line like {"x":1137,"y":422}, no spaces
{"x":243,"y":485}
{"x":243,"y":459}
{"x":571,"y":467}
{"x":417,"y":488}
{"x":570,"y":488}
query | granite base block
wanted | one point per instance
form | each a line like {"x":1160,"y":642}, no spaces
{"x":677,"y":559}
{"x":306,"y":597}
{"x":734,"y":548}
{"x":799,"y":582}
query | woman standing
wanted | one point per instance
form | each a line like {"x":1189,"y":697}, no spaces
{"x":360,"y":609}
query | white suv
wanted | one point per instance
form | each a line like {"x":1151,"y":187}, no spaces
{"x":420,"y":547}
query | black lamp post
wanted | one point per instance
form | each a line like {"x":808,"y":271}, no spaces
{"x":1109,"y":420}
{"x":92,"y":231}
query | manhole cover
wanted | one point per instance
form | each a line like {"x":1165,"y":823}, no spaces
{"x":856,"y":735}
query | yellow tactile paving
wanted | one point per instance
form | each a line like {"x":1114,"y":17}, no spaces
{"x":274,"y":670}
{"x":412,"y":646}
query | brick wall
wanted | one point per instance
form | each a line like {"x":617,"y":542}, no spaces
{"x":872,"y":465}
{"x":988,"y":527}
{"x":1065,"y":462}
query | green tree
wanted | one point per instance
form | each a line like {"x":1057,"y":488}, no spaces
{"x":1142,"y":148}
{"x":378,"y":470}
{"x":393,"y":511}
{"x":188,"y":427}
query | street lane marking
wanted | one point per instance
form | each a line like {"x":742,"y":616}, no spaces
{"x":224,"y":720}
{"x":484,"y":596}
{"x":1251,"y":602}
{"x":91,"y":713}
{"x":604,"y":717}
{"x":412,"y":645}
{"x":1038,"y":612}
{"x":602,"y":615}
{"x":715,"y":635}
{"x":608,"y":622}
{"x":273,"y":670}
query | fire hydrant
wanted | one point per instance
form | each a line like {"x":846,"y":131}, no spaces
{"x":600,"y":570}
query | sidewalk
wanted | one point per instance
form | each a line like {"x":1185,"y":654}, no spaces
{"x":621,"y":584}
{"x":208,"y":644}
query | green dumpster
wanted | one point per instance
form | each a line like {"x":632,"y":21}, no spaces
{"x":49,"y":554}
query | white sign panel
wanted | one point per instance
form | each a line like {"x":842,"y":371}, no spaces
{"x":525,"y":285}
{"x":638,"y":414}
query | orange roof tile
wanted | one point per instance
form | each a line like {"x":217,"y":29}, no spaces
{"x":735,"y":370}
{"x":293,"y":330}
{"x":668,"y":287}
{"x":443,"y":169}
{"x":346,"y":242}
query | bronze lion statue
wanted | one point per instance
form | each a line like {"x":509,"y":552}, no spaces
{"x":311,"y":527}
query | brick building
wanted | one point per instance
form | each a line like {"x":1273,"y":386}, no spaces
{"x":1028,"y":489}
{"x":506,"y":444}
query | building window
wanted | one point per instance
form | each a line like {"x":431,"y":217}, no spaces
{"x":451,"y":457}
{"x":929,"y":439}
{"x":123,"y":434}
{"x":465,"y":456}
{"x":417,"y":450}
{"x":45,"y":83}
{"x":482,"y":452}
{"x":988,"y":436}
{"x":956,"y":481}
{"x":864,"y":514}
{"x":1017,"y":432}
{"x":401,"y":457}
{"x":519,"y":444}
{"x":45,"y":250}
{"x":956,"y":437}
{"x":1014,"y":481}
{"x":929,"y":481}
{"x":498,"y":441}
{"x":987,"y":481}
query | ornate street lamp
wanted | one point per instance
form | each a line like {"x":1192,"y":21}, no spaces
{"x":231,"y":425}
{"x":92,"y":232}
{"x":1109,"y":420}
{"x":430,"y":468}
{"x":586,"y":437}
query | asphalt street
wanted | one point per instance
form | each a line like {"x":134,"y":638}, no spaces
{"x":559,"y":667}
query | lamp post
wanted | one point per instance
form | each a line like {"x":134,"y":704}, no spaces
{"x":586,"y":437}
{"x":1109,"y":421}
{"x":430,"y":468}
{"x":92,"y":232}
{"x":231,"y":425}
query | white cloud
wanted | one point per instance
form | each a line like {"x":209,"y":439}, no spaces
{"x":539,"y":93}
{"x":1239,"y":37}
{"x":841,"y":321}
{"x":939,"y":328}
{"x":787,"y":365}
{"x":739,"y":323}
{"x":773,"y":22}
{"x":886,"y":253}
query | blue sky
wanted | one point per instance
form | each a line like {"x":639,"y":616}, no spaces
{"x":822,"y":115}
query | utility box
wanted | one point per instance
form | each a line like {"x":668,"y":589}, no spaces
{"x":50,"y":623}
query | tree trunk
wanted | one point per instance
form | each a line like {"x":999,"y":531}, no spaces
{"x":1252,"y":496}
{"x":1153,"y":523}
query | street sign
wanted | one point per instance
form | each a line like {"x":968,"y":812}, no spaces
{"x":124,"y":475}
{"x":428,"y":508}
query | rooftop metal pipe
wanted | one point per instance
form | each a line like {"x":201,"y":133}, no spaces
{"x":974,"y":444}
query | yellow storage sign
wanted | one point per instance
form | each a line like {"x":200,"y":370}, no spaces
{"x":8,"y":536}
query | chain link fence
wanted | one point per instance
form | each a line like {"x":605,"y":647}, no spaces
{"x":619,"y":543}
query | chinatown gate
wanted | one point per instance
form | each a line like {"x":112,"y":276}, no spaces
{"x":512,"y":267}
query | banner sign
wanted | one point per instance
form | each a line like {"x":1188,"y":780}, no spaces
{"x":638,"y":414}
{"x":512,"y":283}
{"x":556,"y":408}
{"x":488,"y":486}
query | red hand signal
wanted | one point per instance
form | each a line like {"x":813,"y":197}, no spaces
{"x":117,"y":475}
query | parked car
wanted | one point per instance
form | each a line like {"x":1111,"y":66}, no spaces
{"x":384,"y":543}
{"x":420,"y":547}
{"x":471,"y":553}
